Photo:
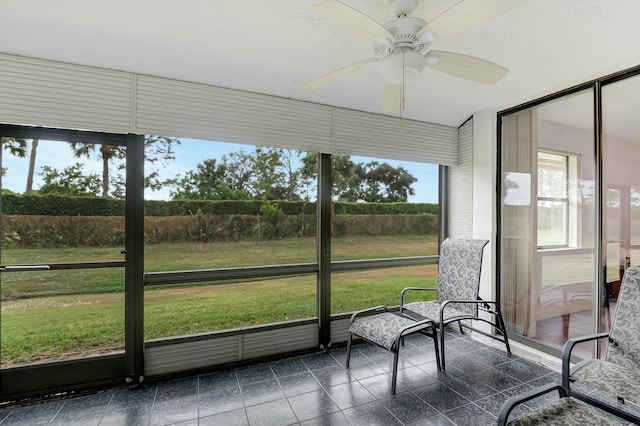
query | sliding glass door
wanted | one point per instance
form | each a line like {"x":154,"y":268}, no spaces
{"x":569,"y":212}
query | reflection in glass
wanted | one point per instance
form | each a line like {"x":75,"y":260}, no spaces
{"x":547,"y":246}
{"x":620,"y":140}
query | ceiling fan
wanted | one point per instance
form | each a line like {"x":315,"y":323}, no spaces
{"x":402,"y":46}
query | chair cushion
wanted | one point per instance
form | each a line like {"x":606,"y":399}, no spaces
{"x":459,"y":267}
{"x":381,"y":329}
{"x":431,"y":310}
{"x":625,"y":331}
{"x":565,"y":411}
{"x":608,"y":377}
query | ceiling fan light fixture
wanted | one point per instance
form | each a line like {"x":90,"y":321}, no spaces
{"x":402,"y":66}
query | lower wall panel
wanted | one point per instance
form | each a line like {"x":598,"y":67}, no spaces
{"x":191,"y":354}
{"x":174,"y":357}
{"x":340,"y":330}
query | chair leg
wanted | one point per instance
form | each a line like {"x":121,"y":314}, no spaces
{"x":434,"y":335}
{"x":460,"y":327}
{"x":394,"y":374}
{"x":503,"y":330}
{"x":442,"y":346}
{"x":348,"y":350}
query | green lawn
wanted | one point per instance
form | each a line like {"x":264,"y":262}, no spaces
{"x":49,"y":315}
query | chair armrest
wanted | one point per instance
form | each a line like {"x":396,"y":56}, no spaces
{"x":514,"y":401}
{"x":467,"y":302}
{"x":376,"y":309}
{"x":404,"y":290}
{"x":568,"y":348}
{"x":484,"y":305}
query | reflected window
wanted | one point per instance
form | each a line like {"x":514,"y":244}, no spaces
{"x":553,"y":200}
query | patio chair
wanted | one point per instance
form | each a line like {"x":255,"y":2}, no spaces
{"x":611,"y":384}
{"x":564,"y":411}
{"x":457,"y":293}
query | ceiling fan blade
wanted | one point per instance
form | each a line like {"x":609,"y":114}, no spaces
{"x":468,"y":14}
{"x":335,"y":75}
{"x":465,"y":66}
{"x":392,"y":97}
{"x":351,"y":18}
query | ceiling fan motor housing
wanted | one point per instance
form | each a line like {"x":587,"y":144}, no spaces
{"x":405,"y":29}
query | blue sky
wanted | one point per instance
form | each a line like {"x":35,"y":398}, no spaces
{"x":188,"y":154}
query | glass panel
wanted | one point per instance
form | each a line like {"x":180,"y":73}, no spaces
{"x":553,"y":202}
{"x":60,"y":209}
{"x":547,"y":256}
{"x":621,"y":154}
{"x":552,"y":175}
{"x":383,"y":208}
{"x":212,"y":205}
{"x":352,"y":291}
{"x":552,"y":223}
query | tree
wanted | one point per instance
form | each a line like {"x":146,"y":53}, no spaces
{"x":342,"y":169}
{"x":372,"y":182}
{"x":207,"y":182}
{"x":275,"y":175}
{"x":158,"y":150}
{"x":70,"y":181}
{"x":107,"y":152}
{"x":32,"y":165}
{"x":18,"y":147}
{"x":239,"y":170}
{"x":379,"y":183}
{"x":15,"y":146}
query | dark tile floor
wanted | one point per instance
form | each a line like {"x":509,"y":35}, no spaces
{"x":315,"y":390}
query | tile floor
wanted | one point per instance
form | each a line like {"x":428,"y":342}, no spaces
{"x":315,"y":390}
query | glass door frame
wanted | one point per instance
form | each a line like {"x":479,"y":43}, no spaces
{"x":104,"y":370}
{"x":596,"y":86}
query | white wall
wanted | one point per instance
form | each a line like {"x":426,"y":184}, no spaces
{"x":484,"y":194}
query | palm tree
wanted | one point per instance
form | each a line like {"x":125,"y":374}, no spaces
{"x":157,"y":149}
{"x":32,"y":165}
{"x":107,"y":152}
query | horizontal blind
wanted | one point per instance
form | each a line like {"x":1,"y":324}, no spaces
{"x":52,"y":94}
{"x":373,"y":135}
{"x":460,"y":205}
{"x":44,"y":93}
{"x":180,"y":109}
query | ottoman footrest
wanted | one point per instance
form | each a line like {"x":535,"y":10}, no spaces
{"x":385,"y":329}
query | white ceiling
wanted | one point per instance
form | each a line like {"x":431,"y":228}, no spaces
{"x":274,"y":46}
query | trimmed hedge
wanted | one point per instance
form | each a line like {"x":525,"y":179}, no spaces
{"x":31,"y":231}
{"x":52,"y":205}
